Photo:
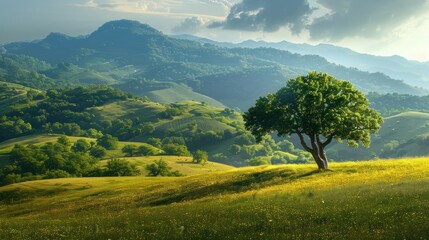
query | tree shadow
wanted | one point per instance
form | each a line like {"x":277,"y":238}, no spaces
{"x":243,"y":183}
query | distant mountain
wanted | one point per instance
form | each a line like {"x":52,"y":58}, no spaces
{"x":122,"y":52}
{"x":204,"y":40}
{"x":412,"y":72}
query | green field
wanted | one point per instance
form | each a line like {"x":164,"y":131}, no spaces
{"x":182,"y":164}
{"x":177,"y":93}
{"x":365,"y":200}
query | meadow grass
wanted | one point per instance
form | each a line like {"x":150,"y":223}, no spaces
{"x":177,"y":163}
{"x":203,"y":123}
{"x":362,"y":200}
{"x":179,"y":92}
{"x":131,"y":108}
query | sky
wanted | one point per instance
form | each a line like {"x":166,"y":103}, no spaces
{"x":378,"y":27}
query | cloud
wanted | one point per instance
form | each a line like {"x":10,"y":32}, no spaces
{"x":214,"y":9}
{"x":363,"y":18}
{"x":134,"y":6}
{"x":267,"y":15}
{"x":191,"y":25}
{"x":323,"y":19}
{"x":224,"y":3}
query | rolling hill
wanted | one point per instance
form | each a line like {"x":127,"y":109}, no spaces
{"x":178,"y":163}
{"x":165,"y":92}
{"x":40,"y":139}
{"x":402,"y":135}
{"x":217,"y":130}
{"x":181,"y":163}
{"x":366,"y":200}
{"x":95,"y":110}
{"x":14,"y":97}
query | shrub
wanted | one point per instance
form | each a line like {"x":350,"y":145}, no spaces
{"x":50,"y":174}
{"x":200,"y":157}
{"x":161,"y":168}
{"x":81,"y":145}
{"x":108,"y":142}
{"x":120,"y":167}
{"x":98,"y":151}
{"x":175,"y":149}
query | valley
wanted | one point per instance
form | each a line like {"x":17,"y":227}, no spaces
{"x":130,"y":133}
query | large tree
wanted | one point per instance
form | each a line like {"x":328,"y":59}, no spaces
{"x":318,"y":108}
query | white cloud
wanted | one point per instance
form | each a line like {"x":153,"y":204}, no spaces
{"x":191,"y":25}
{"x":213,"y":9}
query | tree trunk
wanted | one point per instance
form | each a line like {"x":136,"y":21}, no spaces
{"x":317,"y":150}
{"x":323,"y":158}
{"x":322,"y":164}
{"x":322,"y":155}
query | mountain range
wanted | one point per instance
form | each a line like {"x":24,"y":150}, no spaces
{"x":133,"y":56}
{"x":412,"y":72}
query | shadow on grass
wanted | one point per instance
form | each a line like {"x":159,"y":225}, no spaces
{"x":241,"y":183}
{"x":19,"y":195}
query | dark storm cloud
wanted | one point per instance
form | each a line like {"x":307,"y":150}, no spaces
{"x":344,"y":18}
{"x":363,"y":18}
{"x":267,"y":15}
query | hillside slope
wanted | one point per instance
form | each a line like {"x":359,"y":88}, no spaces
{"x":166,"y":92}
{"x":402,"y":135}
{"x":366,"y":200}
{"x":15,"y":97}
{"x":177,"y":163}
{"x":187,"y":125}
{"x":40,"y":139}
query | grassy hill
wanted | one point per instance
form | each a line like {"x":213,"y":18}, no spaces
{"x":7,"y":146}
{"x":365,"y":200}
{"x":87,"y":111}
{"x":166,"y":92}
{"x":405,"y":134}
{"x":182,"y":164}
{"x":14,"y":97}
{"x":39,"y":139}
{"x":195,"y":116}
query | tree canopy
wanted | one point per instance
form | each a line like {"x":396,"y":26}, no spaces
{"x":318,"y":108}
{"x":200,"y":157}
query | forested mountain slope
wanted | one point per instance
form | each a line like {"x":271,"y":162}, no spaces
{"x":412,"y":72}
{"x":122,"y":51}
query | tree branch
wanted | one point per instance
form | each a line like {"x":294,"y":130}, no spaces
{"x":328,"y":141}
{"x":303,"y":143}
{"x":313,"y":142}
